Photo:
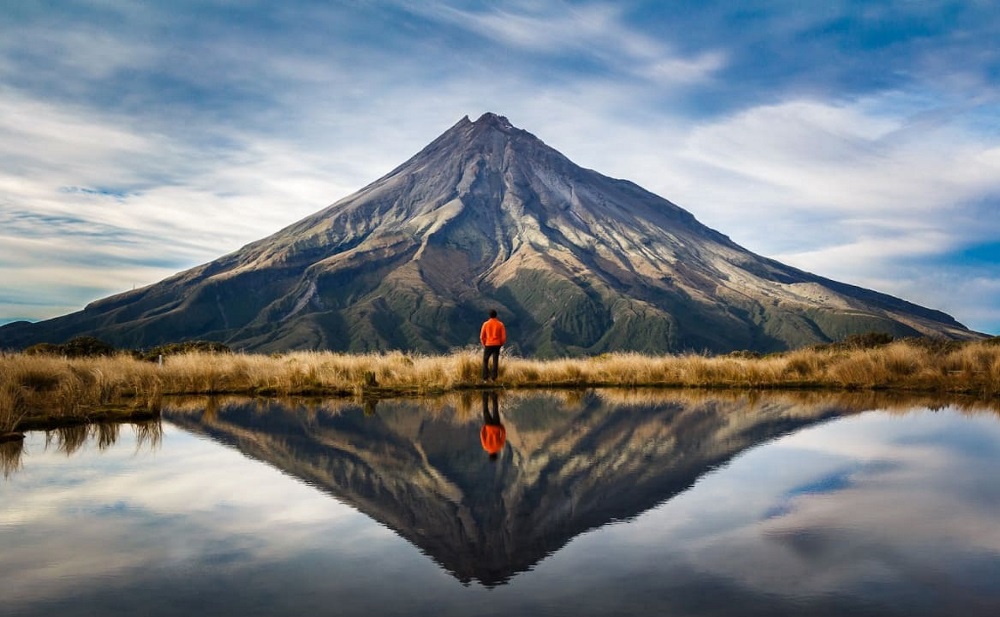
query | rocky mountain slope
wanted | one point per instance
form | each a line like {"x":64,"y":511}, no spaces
{"x":488,"y":216}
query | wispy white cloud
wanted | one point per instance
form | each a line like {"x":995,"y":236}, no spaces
{"x":98,"y":207}
{"x":852,"y":195}
{"x":55,"y":45}
{"x":553,"y":27}
{"x":839,"y":157}
{"x":595,"y":32}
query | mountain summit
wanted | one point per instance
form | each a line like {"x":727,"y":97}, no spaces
{"x":489,"y":216}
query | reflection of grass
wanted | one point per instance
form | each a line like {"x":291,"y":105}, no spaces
{"x":10,"y":456}
{"x":71,"y":438}
{"x":53,"y":390}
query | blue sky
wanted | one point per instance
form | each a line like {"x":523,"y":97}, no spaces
{"x":859,"y":140}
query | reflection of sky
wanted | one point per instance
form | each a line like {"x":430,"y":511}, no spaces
{"x":874,"y":514}
{"x":123,"y":516}
{"x":872,"y":511}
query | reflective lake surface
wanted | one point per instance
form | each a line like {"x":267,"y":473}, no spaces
{"x":597,"y":503}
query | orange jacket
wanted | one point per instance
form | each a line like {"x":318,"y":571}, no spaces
{"x":493,"y":437}
{"x":493,"y":333}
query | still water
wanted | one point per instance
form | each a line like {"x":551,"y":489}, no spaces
{"x":597,"y":503}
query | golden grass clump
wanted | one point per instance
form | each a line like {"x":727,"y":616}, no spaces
{"x":69,"y":389}
{"x":12,"y":407}
{"x":63,"y":389}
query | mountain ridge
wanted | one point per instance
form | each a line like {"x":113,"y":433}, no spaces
{"x":489,"y":216}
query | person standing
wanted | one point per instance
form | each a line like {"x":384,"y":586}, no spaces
{"x":492,"y":335}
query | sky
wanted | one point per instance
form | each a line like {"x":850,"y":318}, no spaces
{"x":858,"y":140}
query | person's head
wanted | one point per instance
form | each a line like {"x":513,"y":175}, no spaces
{"x":493,"y":456}
{"x":493,"y":313}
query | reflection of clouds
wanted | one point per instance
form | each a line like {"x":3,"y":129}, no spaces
{"x":875,"y":510}
{"x":196,"y":478}
{"x":118,"y":513}
{"x":901,"y":514}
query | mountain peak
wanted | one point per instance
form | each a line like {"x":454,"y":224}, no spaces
{"x":494,"y":120}
{"x":489,"y":128}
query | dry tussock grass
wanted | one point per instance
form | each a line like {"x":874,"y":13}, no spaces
{"x":66,"y":387}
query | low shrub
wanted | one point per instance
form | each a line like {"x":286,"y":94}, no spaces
{"x":175,"y":349}
{"x":79,"y":347}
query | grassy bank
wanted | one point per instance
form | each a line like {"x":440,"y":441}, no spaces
{"x":49,"y":390}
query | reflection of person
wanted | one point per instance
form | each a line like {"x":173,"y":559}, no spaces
{"x":492,"y":335}
{"x":493,"y":435}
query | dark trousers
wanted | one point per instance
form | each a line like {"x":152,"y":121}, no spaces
{"x":491,"y":351}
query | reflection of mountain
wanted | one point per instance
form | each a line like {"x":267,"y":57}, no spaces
{"x":567,"y":468}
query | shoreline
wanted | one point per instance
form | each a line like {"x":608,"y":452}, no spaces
{"x":38,"y":391}
{"x":115,"y":414}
